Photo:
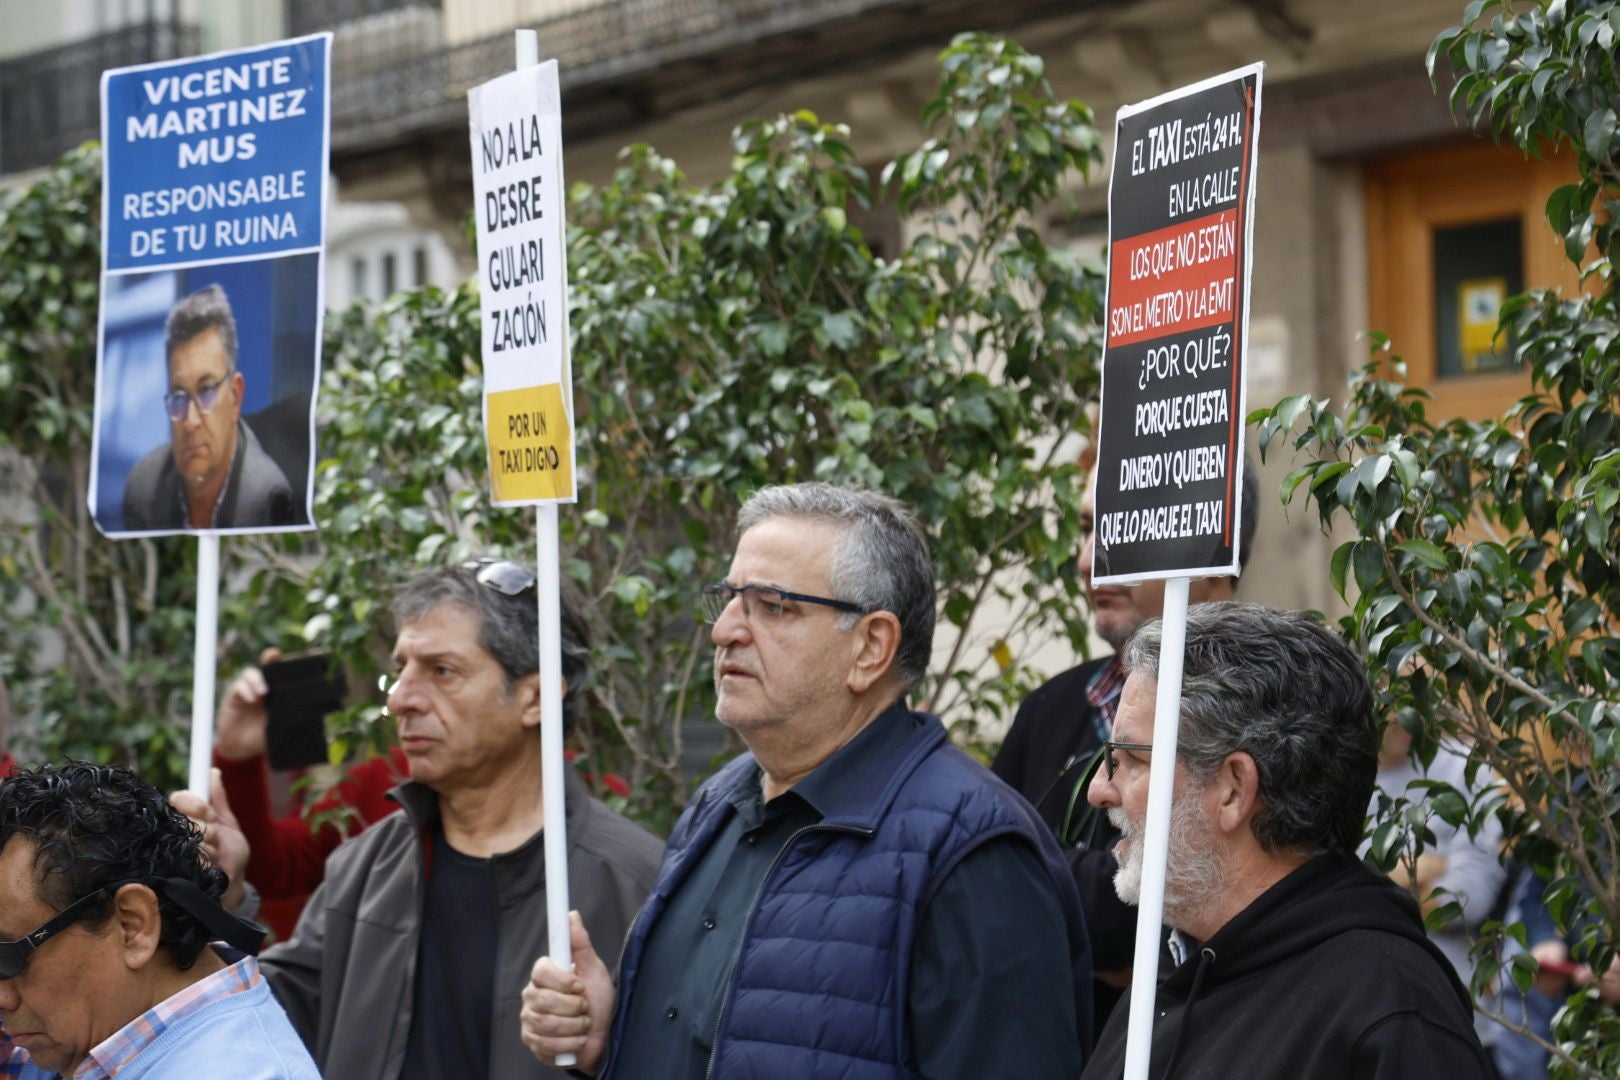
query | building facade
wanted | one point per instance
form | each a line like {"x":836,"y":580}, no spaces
{"x":1375,"y":211}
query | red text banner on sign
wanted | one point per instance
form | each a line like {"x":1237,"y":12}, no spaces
{"x":1173,"y":279}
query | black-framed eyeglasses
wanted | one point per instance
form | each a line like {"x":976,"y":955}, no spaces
{"x":178,"y":402}
{"x":14,"y":954}
{"x":1110,"y":762}
{"x":503,"y":575}
{"x":763,"y":602}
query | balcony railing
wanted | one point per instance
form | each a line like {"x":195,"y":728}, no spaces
{"x":308,"y":16}
{"x":51,"y":100}
{"x":596,"y":43}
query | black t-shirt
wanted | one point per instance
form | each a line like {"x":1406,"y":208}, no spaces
{"x":454,"y":996}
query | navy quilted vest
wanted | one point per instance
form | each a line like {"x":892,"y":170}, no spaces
{"x":820,"y":984}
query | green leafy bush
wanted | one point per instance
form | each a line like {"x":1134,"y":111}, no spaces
{"x":1486,"y":563}
{"x":724,"y":337}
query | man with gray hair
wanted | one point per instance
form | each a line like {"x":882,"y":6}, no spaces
{"x":212,"y":474}
{"x":854,"y":897}
{"x":1052,"y":747}
{"x":409,"y":958}
{"x":1293,"y":957}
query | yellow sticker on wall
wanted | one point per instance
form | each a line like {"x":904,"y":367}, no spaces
{"x":530,"y":444}
{"x":1478,"y":302}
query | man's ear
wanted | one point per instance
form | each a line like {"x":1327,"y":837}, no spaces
{"x":238,"y":388}
{"x":877,"y":640}
{"x":1235,"y":791}
{"x":527,"y":692}
{"x":137,"y":924}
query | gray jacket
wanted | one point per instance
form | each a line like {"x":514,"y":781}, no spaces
{"x":256,"y":493}
{"x":346,"y":976}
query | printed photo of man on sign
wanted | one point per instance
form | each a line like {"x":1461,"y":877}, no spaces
{"x":214,"y":472}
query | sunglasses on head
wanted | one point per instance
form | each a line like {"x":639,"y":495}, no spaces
{"x":504,"y":576}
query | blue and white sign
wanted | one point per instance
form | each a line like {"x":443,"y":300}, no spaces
{"x":216,"y":158}
{"x":213,"y":220}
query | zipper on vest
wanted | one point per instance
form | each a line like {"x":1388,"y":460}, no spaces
{"x":618,"y":981}
{"x":748,"y":921}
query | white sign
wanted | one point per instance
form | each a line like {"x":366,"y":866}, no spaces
{"x":516,"y":125}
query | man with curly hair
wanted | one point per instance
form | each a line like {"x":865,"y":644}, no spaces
{"x":115,"y":955}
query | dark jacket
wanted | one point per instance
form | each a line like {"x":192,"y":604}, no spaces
{"x":346,"y":976}
{"x":256,"y":493}
{"x":1327,"y":975}
{"x":819,"y":984}
{"x":1047,"y":757}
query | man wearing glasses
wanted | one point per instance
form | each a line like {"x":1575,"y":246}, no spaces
{"x":853,"y":897}
{"x":1293,"y":958}
{"x":408,"y":959}
{"x":213,"y":474}
{"x":115,"y":956}
{"x":1053,"y":746}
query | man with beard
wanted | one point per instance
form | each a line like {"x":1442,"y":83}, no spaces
{"x":1293,"y":958}
{"x":854,"y":897}
{"x":1054,"y":744}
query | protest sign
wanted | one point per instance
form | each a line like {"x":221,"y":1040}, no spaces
{"x":516,"y":129}
{"x":1170,"y":434}
{"x":213,"y":218}
{"x":1170,"y":431}
{"x":516,"y":123}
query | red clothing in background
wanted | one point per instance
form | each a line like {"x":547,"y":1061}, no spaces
{"x":288,"y":857}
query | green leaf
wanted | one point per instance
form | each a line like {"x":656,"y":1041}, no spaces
{"x":841,"y":329}
{"x":1368,"y":562}
{"x":1599,"y":133}
{"x":1371,"y":471}
{"x":773,"y":339}
{"x":1340,"y":565}
{"x":1562,"y":205}
{"x":1426,"y":552}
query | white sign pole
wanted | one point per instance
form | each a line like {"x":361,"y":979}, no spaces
{"x":1156,"y":838}
{"x":202,"y":664}
{"x":548,"y":590}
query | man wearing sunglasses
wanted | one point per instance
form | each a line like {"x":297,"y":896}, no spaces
{"x":213,"y":474}
{"x":1293,"y":958}
{"x":1054,"y":744}
{"x":408,"y":959}
{"x":854,"y":897}
{"x":115,"y":956}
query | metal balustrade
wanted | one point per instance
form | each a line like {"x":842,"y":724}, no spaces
{"x":50,"y":101}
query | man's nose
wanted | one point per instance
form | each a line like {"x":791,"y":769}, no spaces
{"x":9,"y":1001}
{"x":405,"y":695}
{"x":731,"y":628}
{"x":1101,"y":792}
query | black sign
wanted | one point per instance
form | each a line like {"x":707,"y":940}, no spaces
{"x":1170,"y":440}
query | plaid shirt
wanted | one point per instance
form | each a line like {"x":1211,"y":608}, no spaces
{"x":125,"y":1045}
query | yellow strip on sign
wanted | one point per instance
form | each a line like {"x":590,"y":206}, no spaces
{"x":530,"y":446}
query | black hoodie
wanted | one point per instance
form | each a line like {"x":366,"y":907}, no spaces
{"x":1327,"y":975}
